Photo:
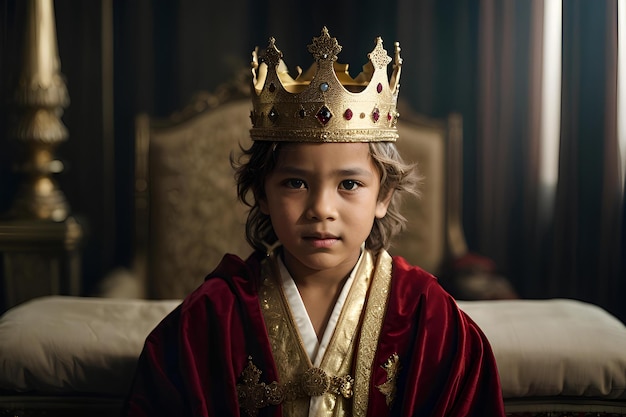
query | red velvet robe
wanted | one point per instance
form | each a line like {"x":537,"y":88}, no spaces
{"x":192,"y":362}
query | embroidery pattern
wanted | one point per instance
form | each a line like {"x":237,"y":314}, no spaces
{"x":370,"y":332}
{"x":254,"y":395}
{"x":388,"y":389}
{"x":290,"y":357}
{"x":251,"y":392}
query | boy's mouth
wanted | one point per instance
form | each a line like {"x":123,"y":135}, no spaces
{"x":321,"y":240}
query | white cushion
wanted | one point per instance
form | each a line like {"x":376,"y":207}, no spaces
{"x":73,"y":344}
{"x":554,"y":347}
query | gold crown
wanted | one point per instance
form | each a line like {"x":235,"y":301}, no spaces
{"x":325,"y":104}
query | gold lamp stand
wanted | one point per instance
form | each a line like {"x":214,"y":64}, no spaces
{"x":39,"y":240}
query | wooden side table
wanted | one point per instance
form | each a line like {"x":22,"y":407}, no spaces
{"x":39,"y":257}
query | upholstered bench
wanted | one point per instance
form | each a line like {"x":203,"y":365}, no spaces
{"x":560,"y":356}
{"x":70,"y":355}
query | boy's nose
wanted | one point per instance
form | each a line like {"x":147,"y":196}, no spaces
{"x":321,"y":205}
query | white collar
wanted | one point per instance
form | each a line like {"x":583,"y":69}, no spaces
{"x":315,"y":349}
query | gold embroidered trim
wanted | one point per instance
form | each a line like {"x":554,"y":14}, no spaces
{"x":388,"y":389}
{"x":287,"y":348}
{"x":370,"y":331}
{"x":254,"y":395}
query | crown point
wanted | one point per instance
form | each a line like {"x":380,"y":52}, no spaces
{"x":397,"y":59}
{"x":255,"y":58}
{"x":324,"y":47}
{"x":272,"y":54}
{"x":378,"y":56}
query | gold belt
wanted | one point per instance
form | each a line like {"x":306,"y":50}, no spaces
{"x":313,"y":382}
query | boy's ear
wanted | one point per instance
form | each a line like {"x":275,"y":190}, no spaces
{"x":383,"y":204}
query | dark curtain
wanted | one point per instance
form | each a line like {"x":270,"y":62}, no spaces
{"x":507,"y":142}
{"x":562,"y":239}
{"x":588,"y":213}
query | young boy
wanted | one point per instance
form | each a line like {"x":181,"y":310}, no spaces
{"x":320,"y":320}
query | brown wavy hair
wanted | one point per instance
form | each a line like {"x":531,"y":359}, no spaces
{"x":255,"y":163}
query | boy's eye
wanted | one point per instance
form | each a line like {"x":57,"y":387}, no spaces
{"x":349,"y":185}
{"x":295,"y":183}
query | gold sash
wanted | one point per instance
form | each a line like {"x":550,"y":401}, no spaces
{"x":342,"y":394}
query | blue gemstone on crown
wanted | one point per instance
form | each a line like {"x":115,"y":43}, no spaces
{"x":324,"y":87}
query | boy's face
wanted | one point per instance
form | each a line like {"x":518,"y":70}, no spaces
{"x":322,"y":200}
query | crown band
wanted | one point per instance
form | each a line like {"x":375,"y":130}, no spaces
{"x":325,"y":104}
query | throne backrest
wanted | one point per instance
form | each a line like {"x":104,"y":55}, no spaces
{"x":434,"y":232}
{"x":188,"y":216}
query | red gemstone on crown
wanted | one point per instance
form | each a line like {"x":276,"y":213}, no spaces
{"x":347,"y":114}
{"x":324,"y":115}
{"x":376,"y":115}
{"x":389,"y":116}
{"x":379,"y":87}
